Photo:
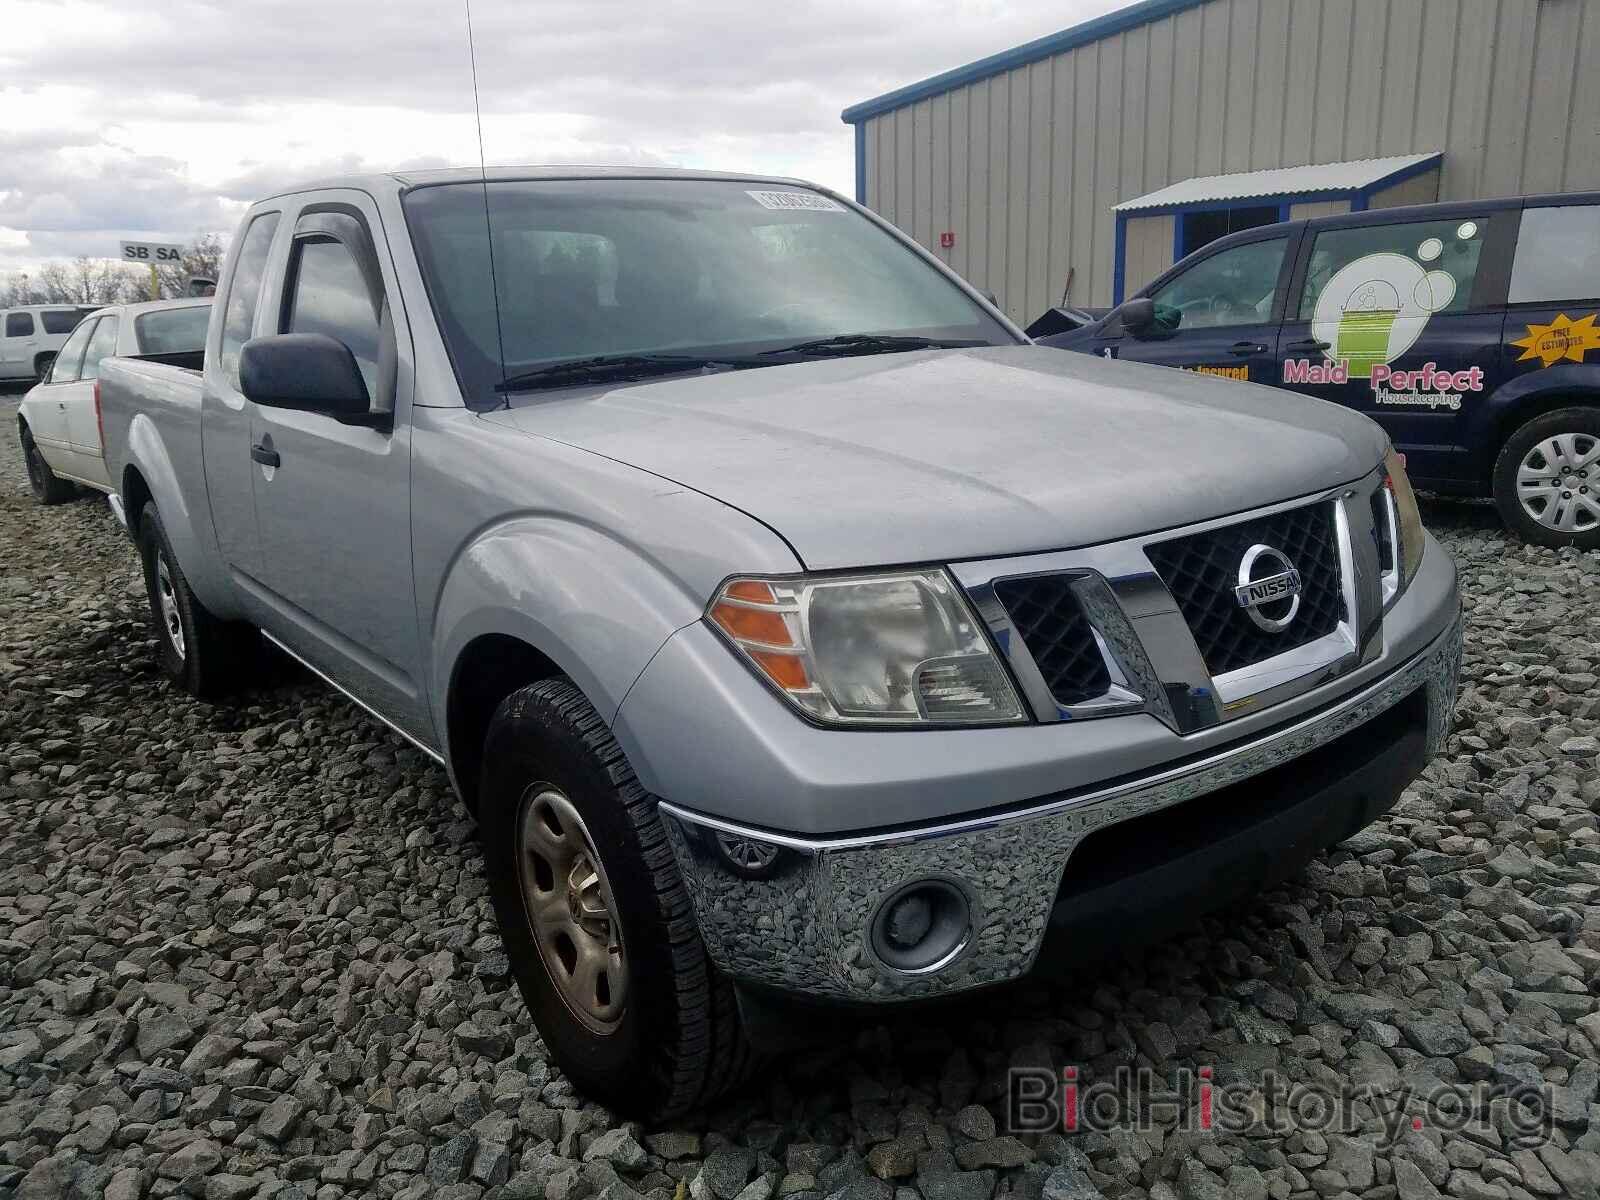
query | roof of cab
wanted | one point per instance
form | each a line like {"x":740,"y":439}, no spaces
{"x":406,"y":180}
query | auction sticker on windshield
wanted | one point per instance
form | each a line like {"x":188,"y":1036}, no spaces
{"x":809,"y":201}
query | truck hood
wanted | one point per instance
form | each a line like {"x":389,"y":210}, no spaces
{"x":940,"y":455}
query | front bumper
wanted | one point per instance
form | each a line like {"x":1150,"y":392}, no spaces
{"x":802,"y":924}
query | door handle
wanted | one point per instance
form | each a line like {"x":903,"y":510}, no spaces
{"x":264,"y":456}
{"x":1308,"y":345}
{"x":1242,"y":349}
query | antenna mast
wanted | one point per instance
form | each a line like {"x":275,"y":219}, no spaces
{"x":483,"y":178}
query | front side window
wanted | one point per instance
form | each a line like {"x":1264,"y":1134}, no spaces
{"x":172,"y":330}
{"x":1558,"y":255}
{"x":19,"y":324}
{"x":1233,"y":287}
{"x":60,"y":321}
{"x":1416,"y":268}
{"x":244,"y":290}
{"x":102,"y":344}
{"x":70,"y":357}
{"x":328,"y":294}
{"x":617,"y":267}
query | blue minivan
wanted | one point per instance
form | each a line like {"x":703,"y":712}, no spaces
{"x":1464,"y":329}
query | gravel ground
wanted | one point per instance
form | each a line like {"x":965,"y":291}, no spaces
{"x":245,"y":951}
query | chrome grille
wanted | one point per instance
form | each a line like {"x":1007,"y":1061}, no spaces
{"x":1201,"y":571}
{"x":1046,"y":614}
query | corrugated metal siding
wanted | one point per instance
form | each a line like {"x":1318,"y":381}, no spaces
{"x":1148,"y":248}
{"x":1420,"y":189}
{"x":1035,"y":157}
{"x":1318,"y":208}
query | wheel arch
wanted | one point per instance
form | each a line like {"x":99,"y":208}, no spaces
{"x":1532,"y":396}
{"x":489,"y":668}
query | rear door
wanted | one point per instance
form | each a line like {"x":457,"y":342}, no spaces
{"x":1219,"y":314}
{"x":18,"y":339}
{"x":335,"y":506}
{"x":83,"y":424}
{"x":1401,"y":320}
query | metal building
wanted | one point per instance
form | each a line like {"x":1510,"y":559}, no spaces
{"x":1102,"y":153}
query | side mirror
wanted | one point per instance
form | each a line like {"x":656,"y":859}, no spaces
{"x":1138,"y":316}
{"x":311,"y":372}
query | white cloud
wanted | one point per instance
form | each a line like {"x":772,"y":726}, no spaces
{"x":118,"y":120}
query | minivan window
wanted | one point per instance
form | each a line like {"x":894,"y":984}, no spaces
{"x":19,"y":324}
{"x":172,"y":330}
{"x":1558,"y":255}
{"x":244,"y":291}
{"x":617,"y":267}
{"x":70,"y":357}
{"x":102,"y":344}
{"x":1233,"y":287}
{"x":1437,"y":274}
{"x":328,"y":294}
{"x":60,"y":320}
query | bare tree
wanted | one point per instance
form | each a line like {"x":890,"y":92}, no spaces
{"x":17,"y":289}
{"x":201,"y":258}
{"x":88,"y":280}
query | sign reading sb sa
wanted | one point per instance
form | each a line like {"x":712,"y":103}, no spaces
{"x":148,"y":254}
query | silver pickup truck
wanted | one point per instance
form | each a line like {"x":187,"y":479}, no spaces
{"x":798,"y":633}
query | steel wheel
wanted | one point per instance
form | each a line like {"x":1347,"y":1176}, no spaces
{"x":569,"y":906}
{"x":171,"y":618}
{"x":1557,"y":481}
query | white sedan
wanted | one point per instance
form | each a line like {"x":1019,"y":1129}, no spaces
{"x":60,"y":417}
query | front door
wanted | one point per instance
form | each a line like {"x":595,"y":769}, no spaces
{"x":83,"y":422}
{"x":1218,"y":316}
{"x":47,"y":409}
{"x":334,"y":499}
{"x":1397,"y":320}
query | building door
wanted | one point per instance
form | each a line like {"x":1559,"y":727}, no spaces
{"x":1217,"y":315}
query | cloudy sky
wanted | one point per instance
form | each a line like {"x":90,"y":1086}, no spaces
{"x":164,"y":119}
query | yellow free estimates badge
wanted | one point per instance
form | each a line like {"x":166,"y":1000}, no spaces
{"x":1564,"y":337}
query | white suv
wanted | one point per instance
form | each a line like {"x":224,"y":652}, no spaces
{"x":30,"y":337}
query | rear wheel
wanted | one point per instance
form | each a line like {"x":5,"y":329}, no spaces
{"x":1547,"y":479}
{"x":202,"y":655}
{"x":595,"y":919}
{"x":42,"y":365}
{"x":48,"y":487}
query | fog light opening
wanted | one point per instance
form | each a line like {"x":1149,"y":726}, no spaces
{"x":922,"y":926}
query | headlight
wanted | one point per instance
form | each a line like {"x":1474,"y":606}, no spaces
{"x":884,"y":649}
{"x":1406,"y":529}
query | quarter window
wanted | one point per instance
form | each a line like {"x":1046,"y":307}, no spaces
{"x":19,"y":324}
{"x":60,"y":320}
{"x":1415,"y":268}
{"x":1233,"y":287}
{"x":1558,"y":255}
{"x":102,"y":344}
{"x":329,"y":295}
{"x":70,"y":357}
{"x":244,"y":290}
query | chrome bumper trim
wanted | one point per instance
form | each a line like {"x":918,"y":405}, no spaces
{"x":804,"y":926}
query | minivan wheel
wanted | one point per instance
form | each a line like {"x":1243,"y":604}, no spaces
{"x":48,"y":487}
{"x":202,"y":655}
{"x":1547,"y":479}
{"x":595,"y":919}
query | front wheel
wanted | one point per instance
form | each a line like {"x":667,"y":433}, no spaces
{"x":48,"y":487}
{"x":595,"y":919}
{"x":1547,"y":479}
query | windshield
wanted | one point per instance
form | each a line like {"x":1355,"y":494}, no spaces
{"x":173,"y":330}
{"x":600,"y":267}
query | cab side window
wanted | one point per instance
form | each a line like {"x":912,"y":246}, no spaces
{"x":70,"y":356}
{"x":1232,"y":287}
{"x":19,"y":324}
{"x":244,"y":291}
{"x":103,"y":344}
{"x":1558,"y":255}
{"x":329,"y":294}
{"x":1413,"y":267}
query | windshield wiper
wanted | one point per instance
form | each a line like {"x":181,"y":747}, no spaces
{"x":610,"y":367}
{"x":873,"y":343}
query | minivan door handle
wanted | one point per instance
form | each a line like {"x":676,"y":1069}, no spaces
{"x":266,"y":457}
{"x":1243,"y":349}
{"x":1307,"y":346}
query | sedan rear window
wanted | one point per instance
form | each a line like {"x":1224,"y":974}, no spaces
{"x":60,"y":320}
{"x":172,"y":330}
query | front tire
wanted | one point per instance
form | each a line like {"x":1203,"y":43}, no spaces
{"x":204,"y":656}
{"x":1547,"y":479}
{"x":597,"y":925}
{"x":48,"y":487}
